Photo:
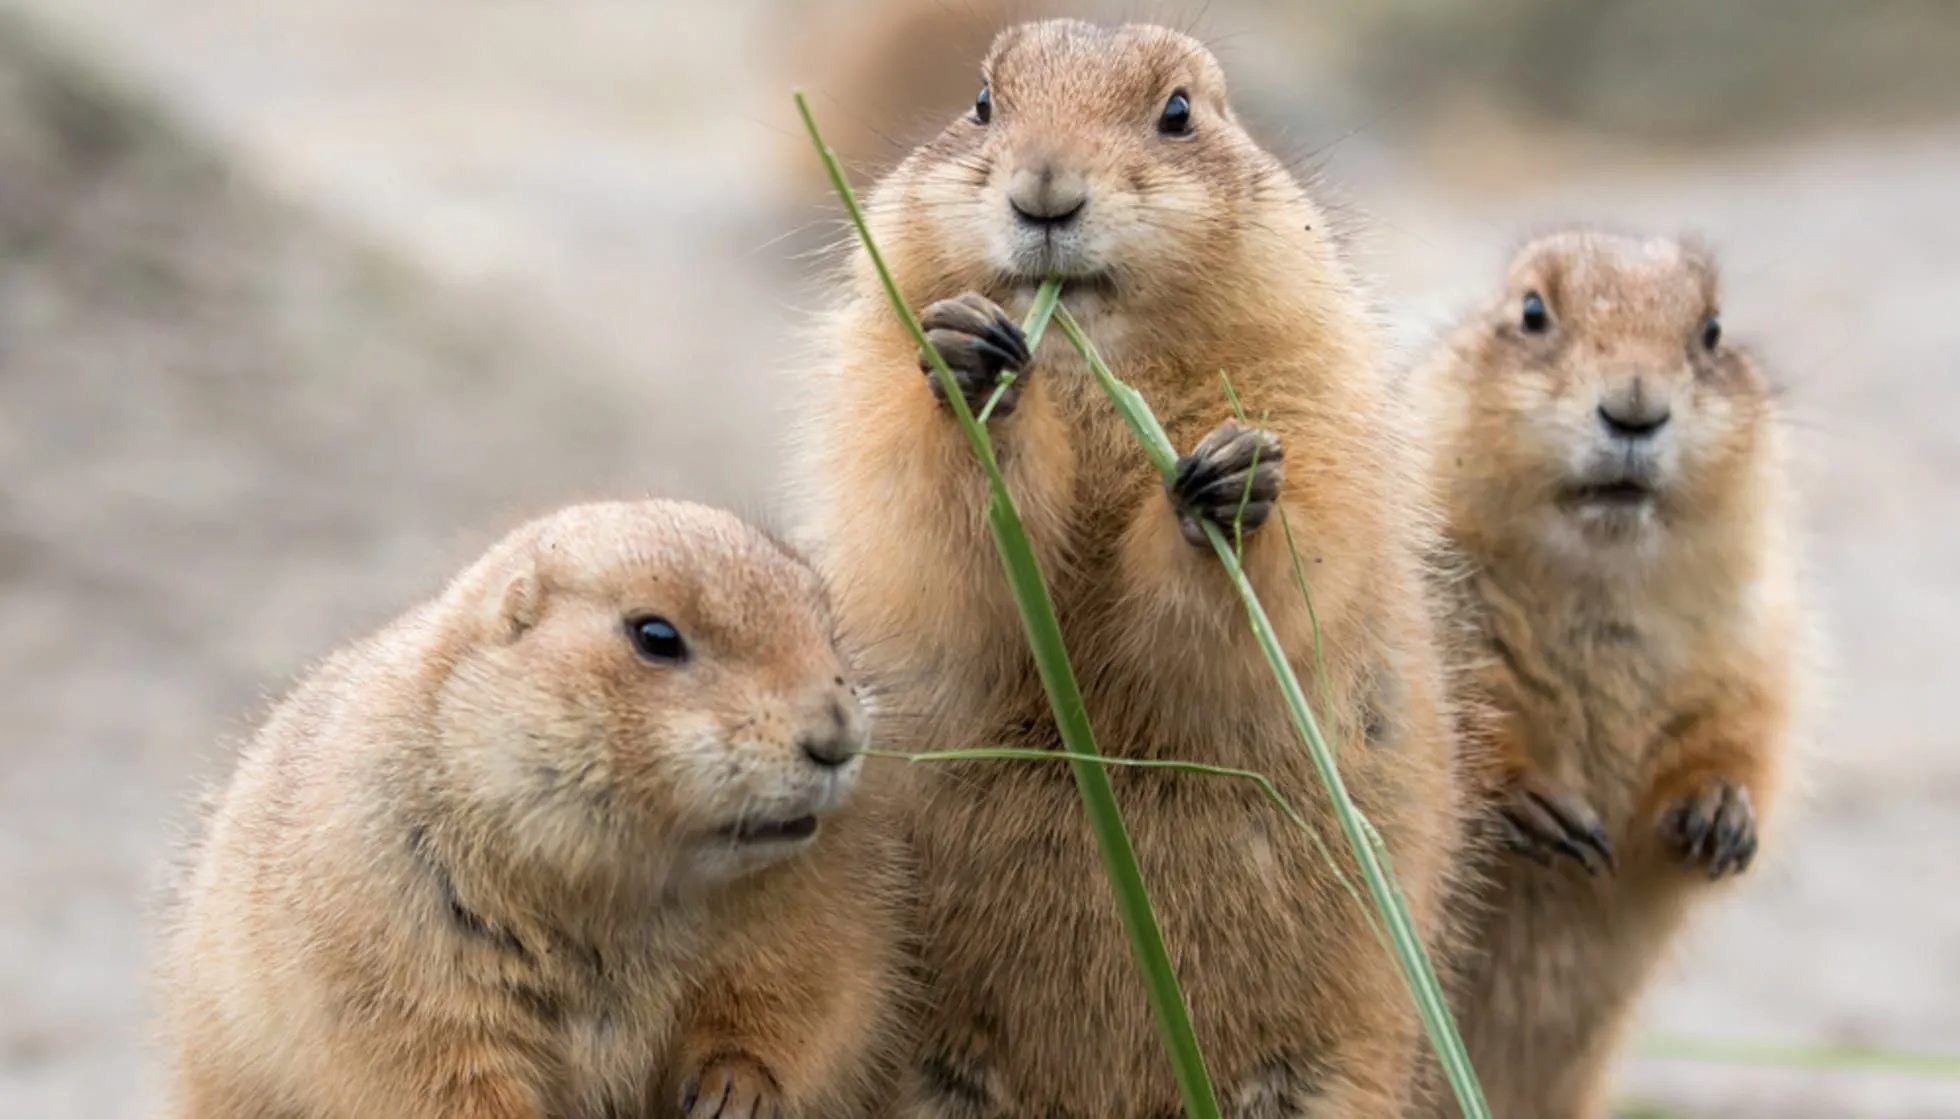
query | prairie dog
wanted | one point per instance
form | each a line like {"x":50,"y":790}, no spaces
{"x":1615,"y":484}
{"x":1111,"y":157}
{"x":584,"y":835}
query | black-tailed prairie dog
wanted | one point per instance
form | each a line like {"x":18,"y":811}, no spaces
{"x":1111,"y":157}
{"x":579,"y":837}
{"x":1613,"y":473}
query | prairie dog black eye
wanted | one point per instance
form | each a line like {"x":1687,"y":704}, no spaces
{"x":983,"y":106}
{"x":1535,"y":319}
{"x":1176,"y":120}
{"x":656,"y":639}
{"x":1711,"y":332}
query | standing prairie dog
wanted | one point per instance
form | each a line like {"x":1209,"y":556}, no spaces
{"x":1111,"y":157}
{"x":1613,"y":474}
{"x":577,"y":838}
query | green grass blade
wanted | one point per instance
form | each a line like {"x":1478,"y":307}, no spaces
{"x":1299,"y":568}
{"x":1017,"y":753}
{"x":1058,"y":678}
{"x":1417,"y":971}
{"x":1046,"y":299}
{"x":1128,"y":401}
{"x":1264,"y":783}
{"x":1105,"y":818}
{"x":1036,"y":325}
{"x":1640,"y":1108}
{"x":1822,"y":1058}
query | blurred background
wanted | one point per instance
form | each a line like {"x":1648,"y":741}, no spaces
{"x":301,"y":304}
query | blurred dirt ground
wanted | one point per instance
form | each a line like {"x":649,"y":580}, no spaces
{"x":310,"y":301}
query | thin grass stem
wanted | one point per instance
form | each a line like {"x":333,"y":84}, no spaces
{"x":1834,"y":1058}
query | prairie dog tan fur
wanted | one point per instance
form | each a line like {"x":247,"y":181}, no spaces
{"x":1111,"y":157}
{"x":1614,"y":476}
{"x":582,"y":836}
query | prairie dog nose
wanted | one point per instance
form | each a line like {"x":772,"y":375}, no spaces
{"x":1046,"y":194}
{"x":1635,"y":413}
{"x":837,"y":734}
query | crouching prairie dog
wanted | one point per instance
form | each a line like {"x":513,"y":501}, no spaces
{"x":1615,"y":485}
{"x":1111,"y":157}
{"x":579,"y":837}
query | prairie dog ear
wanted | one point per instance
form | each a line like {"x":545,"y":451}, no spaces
{"x":518,"y":600}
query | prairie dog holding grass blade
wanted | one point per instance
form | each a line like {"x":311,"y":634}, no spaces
{"x":584,"y":836}
{"x":1110,"y":157}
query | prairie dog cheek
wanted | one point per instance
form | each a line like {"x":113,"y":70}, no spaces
{"x":701,"y":773}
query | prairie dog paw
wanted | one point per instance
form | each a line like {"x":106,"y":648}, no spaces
{"x":731,"y":1086}
{"x":1231,"y":477}
{"x":1714,"y":827}
{"x":979,"y":343}
{"x":1542,"y":817}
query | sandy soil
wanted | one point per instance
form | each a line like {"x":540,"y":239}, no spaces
{"x":445,"y":271}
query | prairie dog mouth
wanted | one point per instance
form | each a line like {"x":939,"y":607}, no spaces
{"x":1026,"y":284}
{"x":794,"y":829}
{"x":1624,"y":492}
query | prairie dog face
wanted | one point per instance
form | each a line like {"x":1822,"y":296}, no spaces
{"x":1604,"y":393}
{"x":1106,"y":156}
{"x":662,"y":672}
